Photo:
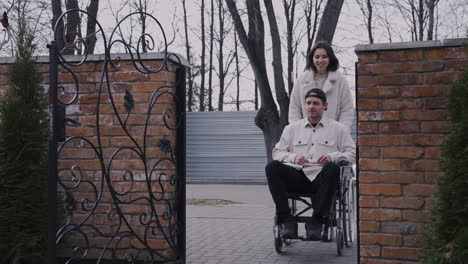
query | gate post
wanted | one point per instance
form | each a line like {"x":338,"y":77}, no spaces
{"x":180,"y":157}
{"x":52,"y":153}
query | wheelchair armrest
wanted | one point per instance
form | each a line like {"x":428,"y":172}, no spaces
{"x":343,"y":163}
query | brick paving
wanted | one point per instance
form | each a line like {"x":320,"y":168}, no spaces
{"x":243,"y":233}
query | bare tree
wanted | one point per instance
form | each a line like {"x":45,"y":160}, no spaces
{"x":91,"y":38}
{"x":366,"y":7}
{"x":421,"y":17}
{"x":210,"y":71}
{"x":418,"y":15}
{"x":34,"y":13}
{"x":141,"y":25}
{"x":291,"y":47}
{"x":383,"y":21}
{"x":311,"y":11}
{"x":141,"y":6}
{"x":202,"y":57}
{"x":223,"y":69}
{"x":72,"y":40}
{"x":188,"y":53}
{"x":268,"y":118}
{"x":329,"y":20}
{"x":5,"y":27}
{"x":281,"y":96}
{"x":220,"y":55}
{"x":431,"y":5}
{"x":236,"y":56}
{"x":72,"y":27}
{"x":57,"y":11}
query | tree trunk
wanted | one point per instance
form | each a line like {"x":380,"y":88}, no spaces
{"x":413,"y":17}
{"x":329,"y":20}
{"x":281,"y":95}
{"x":91,"y":37}
{"x":56,"y":12}
{"x":236,"y":55}
{"x":142,"y":7}
{"x":221,"y":56}
{"x":289,"y":10}
{"x":202,"y":70}
{"x":187,"y":49}
{"x":73,"y":22}
{"x":311,"y":27}
{"x":421,"y":20}
{"x":431,"y":4}
{"x":369,"y":21}
{"x":366,"y":10}
{"x":267,"y":118}
{"x":210,"y":74}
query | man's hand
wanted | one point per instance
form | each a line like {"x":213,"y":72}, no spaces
{"x":301,"y":160}
{"x":324,"y":159}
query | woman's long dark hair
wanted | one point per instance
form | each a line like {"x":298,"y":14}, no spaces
{"x":334,"y":63}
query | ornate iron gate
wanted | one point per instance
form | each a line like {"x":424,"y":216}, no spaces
{"x":125,"y":205}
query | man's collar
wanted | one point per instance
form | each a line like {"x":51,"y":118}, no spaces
{"x":323,"y":121}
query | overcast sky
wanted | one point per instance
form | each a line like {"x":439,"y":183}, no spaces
{"x":452,"y":17}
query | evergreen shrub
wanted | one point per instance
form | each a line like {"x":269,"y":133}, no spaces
{"x":446,"y":239}
{"x":23,"y":160}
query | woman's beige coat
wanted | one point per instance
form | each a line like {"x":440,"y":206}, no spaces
{"x":340,"y":101}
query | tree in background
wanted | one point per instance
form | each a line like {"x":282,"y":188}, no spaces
{"x":311,"y":12}
{"x":73,"y":40}
{"x":269,"y":119}
{"x":329,"y":21}
{"x":23,"y":159}
{"x":418,"y":15}
{"x":225,"y":60}
{"x":36,"y":15}
{"x":446,"y":240}
{"x":210,"y":63}
{"x":291,"y":44}
{"x":202,"y":57}
{"x":188,"y":53}
{"x":366,"y":7}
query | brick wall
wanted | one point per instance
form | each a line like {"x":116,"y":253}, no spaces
{"x":402,"y":122}
{"x":78,"y":158}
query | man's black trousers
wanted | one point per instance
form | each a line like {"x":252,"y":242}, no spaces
{"x":283,"y":179}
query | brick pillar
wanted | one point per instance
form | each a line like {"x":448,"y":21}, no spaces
{"x":402,"y":123}
{"x":152,"y":192}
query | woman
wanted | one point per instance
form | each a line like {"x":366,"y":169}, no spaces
{"x":321,"y":72}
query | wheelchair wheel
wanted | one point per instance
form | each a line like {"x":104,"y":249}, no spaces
{"x":347,"y":216}
{"x":351,"y":211}
{"x":339,"y":242}
{"x":345,"y":223}
{"x":348,"y":229}
{"x":278,"y":240}
{"x":278,"y":245}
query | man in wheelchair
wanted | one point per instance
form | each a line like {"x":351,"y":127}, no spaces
{"x":305,"y":161}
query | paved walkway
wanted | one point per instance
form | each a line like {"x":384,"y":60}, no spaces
{"x":243,"y":233}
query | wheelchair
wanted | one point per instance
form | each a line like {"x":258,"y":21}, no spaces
{"x":339,"y":224}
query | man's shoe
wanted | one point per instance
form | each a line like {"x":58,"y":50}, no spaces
{"x":288,"y":229}
{"x":313,"y":231}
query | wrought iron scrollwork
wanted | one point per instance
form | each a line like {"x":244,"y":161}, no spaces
{"x":121,"y":205}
